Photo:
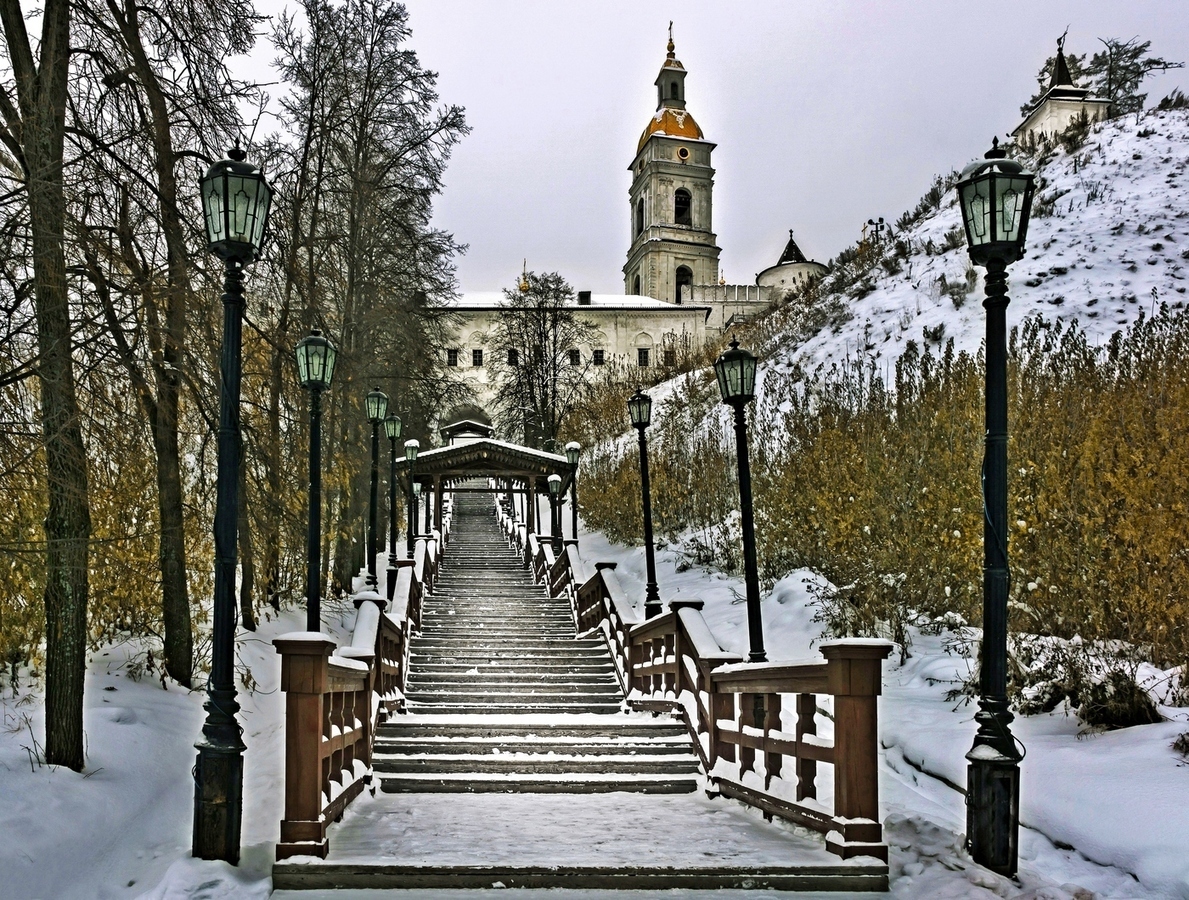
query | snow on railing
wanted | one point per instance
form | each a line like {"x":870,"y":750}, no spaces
{"x":337,"y":696}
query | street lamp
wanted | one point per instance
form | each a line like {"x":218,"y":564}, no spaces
{"x":995,"y":195}
{"x":235,"y":202}
{"x":376,"y":406}
{"x":315,"y":368}
{"x":640,"y":412}
{"x":411,"y":448}
{"x":392,"y":432}
{"x":736,"y":371}
{"x":573,"y":452}
{"x":555,"y":511}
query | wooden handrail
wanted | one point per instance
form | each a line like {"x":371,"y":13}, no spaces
{"x":336,"y":697}
{"x":734,"y":709}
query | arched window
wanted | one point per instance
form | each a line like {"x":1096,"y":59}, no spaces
{"x":685,"y":280}
{"x":682,"y":207}
{"x":639,"y":216}
{"x":636,"y":285}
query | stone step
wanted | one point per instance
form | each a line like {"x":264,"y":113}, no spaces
{"x":535,"y":764}
{"x":570,"y":783}
{"x":485,"y":746}
{"x":491,"y":707}
{"x":504,"y":675}
{"x":434,"y":691}
{"x":554,"y":727}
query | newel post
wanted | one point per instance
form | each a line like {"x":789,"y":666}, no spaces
{"x":305,"y":681}
{"x":854,"y":678}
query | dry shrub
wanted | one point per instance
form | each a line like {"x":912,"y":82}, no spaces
{"x":877,"y":487}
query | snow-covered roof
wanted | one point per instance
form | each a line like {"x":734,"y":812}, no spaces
{"x":487,"y":300}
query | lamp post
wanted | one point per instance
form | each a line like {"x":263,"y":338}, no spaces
{"x":411,"y":447}
{"x":235,"y":202}
{"x":377,"y":408}
{"x":573,"y":452}
{"x":736,"y":371}
{"x":315,"y":368}
{"x":392,"y":432}
{"x":555,"y":512}
{"x":995,"y":195}
{"x":640,"y":412}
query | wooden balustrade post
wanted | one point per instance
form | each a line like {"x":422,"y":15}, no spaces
{"x":747,"y":710}
{"x":806,"y":768}
{"x":772,"y":761}
{"x":305,"y":681}
{"x":853,"y":677}
{"x":722,"y":706}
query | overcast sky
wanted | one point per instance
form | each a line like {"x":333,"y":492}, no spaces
{"x":825,"y":114}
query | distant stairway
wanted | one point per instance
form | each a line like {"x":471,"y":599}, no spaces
{"x":503,"y":697}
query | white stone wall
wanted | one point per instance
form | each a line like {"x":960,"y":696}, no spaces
{"x":624,"y":325}
{"x":1053,"y":115}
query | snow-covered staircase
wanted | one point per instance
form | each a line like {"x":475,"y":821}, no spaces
{"x":516,"y":765}
{"x":502,"y":696}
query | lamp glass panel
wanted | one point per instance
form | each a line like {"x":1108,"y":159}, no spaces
{"x":748,"y":377}
{"x":1012,"y":195}
{"x":554,"y":484}
{"x":303,"y":363}
{"x":212,"y":206}
{"x":640,"y":410}
{"x":330,"y":358}
{"x":377,"y":406}
{"x":976,"y":206}
{"x":392,"y":427}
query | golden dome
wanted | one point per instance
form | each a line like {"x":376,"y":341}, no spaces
{"x":671,"y":122}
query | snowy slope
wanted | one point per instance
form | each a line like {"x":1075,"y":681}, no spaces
{"x":1118,"y":229}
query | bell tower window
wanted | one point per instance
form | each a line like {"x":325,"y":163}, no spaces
{"x":636,"y":285}
{"x":682,"y":207}
{"x":685,"y":280}
{"x":673,"y":91}
{"x":639,"y":217}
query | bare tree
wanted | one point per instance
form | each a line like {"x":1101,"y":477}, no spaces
{"x":537,"y":359}
{"x":34,"y":134}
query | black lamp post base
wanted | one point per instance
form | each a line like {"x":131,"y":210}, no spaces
{"x":992,"y":809}
{"x":993,"y":790}
{"x":219,"y":784}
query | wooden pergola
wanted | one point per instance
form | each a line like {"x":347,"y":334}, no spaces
{"x":523,"y":471}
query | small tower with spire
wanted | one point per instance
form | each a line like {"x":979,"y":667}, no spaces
{"x":1062,"y":104}
{"x":670,"y":201}
{"x":791,"y":270}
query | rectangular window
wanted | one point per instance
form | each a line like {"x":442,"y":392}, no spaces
{"x":513,"y":356}
{"x":476,"y":357}
{"x":642,"y":357}
{"x":597,"y":357}
{"x":452,"y":357}
{"x":575,"y":357}
{"x":670,"y":358}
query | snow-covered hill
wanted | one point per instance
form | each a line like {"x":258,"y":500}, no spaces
{"x":1109,"y":237}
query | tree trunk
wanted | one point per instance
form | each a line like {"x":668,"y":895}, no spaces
{"x":175,"y":599}
{"x":41,"y":92}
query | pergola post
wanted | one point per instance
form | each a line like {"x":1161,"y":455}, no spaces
{"x":437,"y":503}
{"x":530,"y":500}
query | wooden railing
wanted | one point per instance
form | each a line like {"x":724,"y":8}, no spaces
{"x":336,"y":696}
{"x":736,"y":711}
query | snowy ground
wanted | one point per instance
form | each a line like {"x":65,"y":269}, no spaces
{"x":1106,"y":815}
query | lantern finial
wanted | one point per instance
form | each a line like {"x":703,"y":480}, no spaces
{"x":996,"y":152}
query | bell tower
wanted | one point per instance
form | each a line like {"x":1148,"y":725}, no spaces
{"x":673,"y":246}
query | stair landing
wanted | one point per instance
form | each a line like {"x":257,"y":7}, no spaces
{"x":597,"y":841}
